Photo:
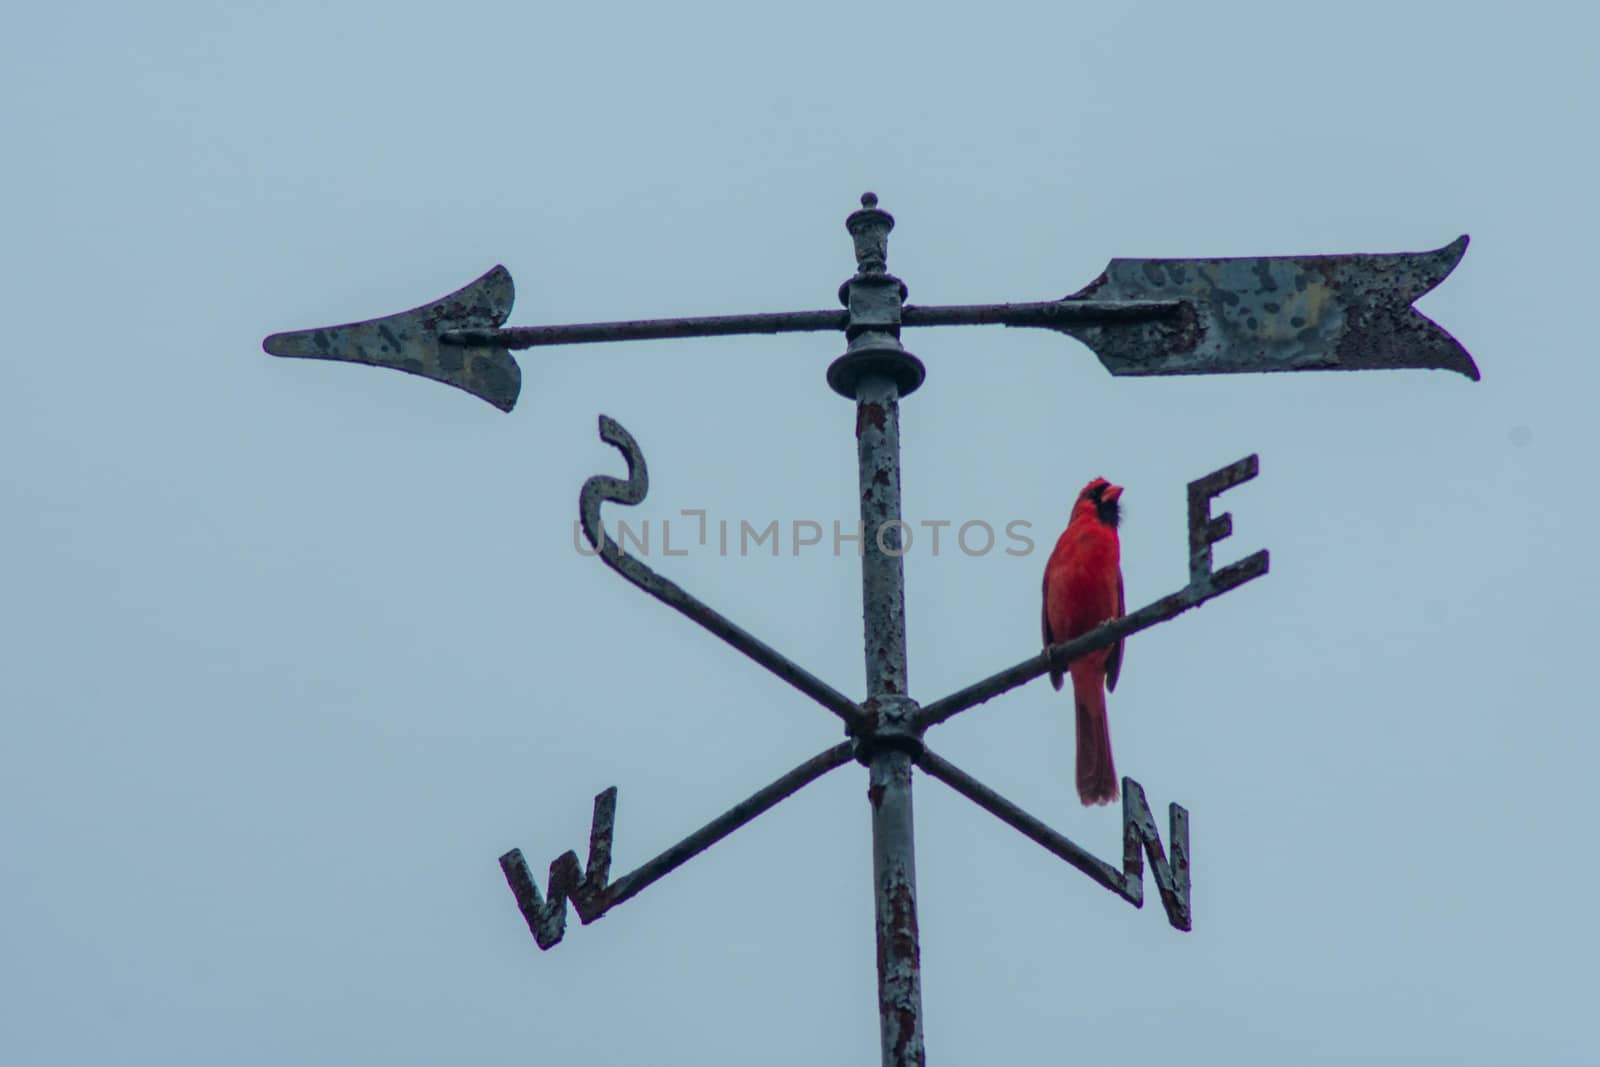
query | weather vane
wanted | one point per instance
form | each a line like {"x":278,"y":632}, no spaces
{"x":1140,"y":317}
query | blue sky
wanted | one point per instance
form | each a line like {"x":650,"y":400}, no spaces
{"x":294,"y":650}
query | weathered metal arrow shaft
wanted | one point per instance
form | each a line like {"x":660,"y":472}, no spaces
{"x":1051,"y":314}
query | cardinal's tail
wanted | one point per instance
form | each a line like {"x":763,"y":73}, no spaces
{"x":1097,"y":777}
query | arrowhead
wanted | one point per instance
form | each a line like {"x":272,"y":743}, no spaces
{"x":1279,"y":313}
{"x":410,"y":341}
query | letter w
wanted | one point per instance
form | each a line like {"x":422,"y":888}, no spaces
{"x":547,"y":916}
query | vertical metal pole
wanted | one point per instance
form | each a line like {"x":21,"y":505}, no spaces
{"x":894,"y":865}
{"x":875,"y":371}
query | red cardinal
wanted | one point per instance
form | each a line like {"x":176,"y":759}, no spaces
{"x":1082,"y":589}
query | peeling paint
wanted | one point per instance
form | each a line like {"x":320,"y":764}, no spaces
{"x":1276,"y":313}
{"x":411,"y":342}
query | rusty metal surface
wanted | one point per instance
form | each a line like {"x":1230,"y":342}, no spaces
{"x":1278,"y":313}
{"x":586,"y":887}
{"x":547,"y":915}
{"x":875,"y":371}
{"x":874,"y":299}
{"x":1140,"y":836}
{"x":411,"y":342}
{"x":1141,"y":317}
{"x":581,"y":333}
{"x":1205,"y":531}
{"x":1034,"y":829}
{"x":1051,"y":314}
{"x":883,"y":595}
{"x":603,"y":488}
{"x":1048,"y":314}
{"x":631,"y":884}
{"x":894,"y":875}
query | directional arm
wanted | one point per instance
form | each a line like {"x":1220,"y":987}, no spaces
{"x":602,"y":488}
{"x":588,"y":888}
{"x":1139,"y":837}
{"x":1204,"y":584}
{"x":1058,"y":656}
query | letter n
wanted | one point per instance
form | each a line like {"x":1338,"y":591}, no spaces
{"x":1140,"y":836}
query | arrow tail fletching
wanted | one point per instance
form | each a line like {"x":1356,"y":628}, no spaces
{"x":410,"y":341}
{"x":1279,"y":313}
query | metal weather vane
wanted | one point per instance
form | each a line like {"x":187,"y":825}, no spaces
{"x":1140,"y":317}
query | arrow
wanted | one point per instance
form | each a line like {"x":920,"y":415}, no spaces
{"x":1283,"y":313}
{"x":410,"y":341}
{"x":1141,"y":317}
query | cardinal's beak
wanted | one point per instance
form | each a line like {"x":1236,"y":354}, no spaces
{"x":1112,"y":493}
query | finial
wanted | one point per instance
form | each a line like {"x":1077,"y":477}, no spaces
{"x":870,"y":228}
